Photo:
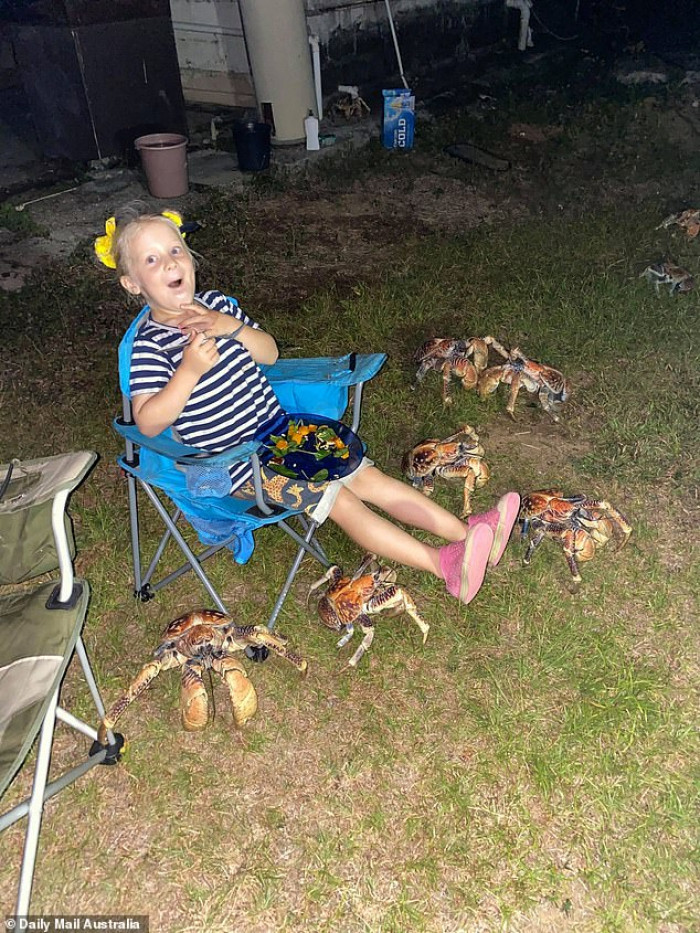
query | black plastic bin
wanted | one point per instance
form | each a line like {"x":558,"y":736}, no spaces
{"x":252,"y":141}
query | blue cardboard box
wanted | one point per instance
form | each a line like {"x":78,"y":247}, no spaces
{"x":399,"y":119}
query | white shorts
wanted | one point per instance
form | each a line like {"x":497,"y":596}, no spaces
{"x":321,"y":511}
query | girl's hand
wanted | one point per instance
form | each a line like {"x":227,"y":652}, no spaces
{"x":200,"y":355}
{"x":197,"y":319}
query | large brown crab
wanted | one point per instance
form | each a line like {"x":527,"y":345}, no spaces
{"x":353,"y":600}
{"x":464,"y":359}
{"x":688,"y":220}
{"x":521,"y":372}
{"x":200,"y":641}
{"x":679,"y":280}
{"x":459,"y":456}
{"x":578,"y":523}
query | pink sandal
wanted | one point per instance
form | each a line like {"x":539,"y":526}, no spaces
{"x":500,"y":520}
{"x":463,"y":563}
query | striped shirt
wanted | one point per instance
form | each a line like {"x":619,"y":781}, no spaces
{"x":231,"y":401}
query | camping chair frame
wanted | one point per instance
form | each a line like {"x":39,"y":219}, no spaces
{"x":72,"y":596}
{"x":344,"y":373}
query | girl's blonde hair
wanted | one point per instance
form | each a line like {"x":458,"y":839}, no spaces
{"x":129,"y":220}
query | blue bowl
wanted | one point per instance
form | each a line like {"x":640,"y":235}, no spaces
{"x":302,"y":464}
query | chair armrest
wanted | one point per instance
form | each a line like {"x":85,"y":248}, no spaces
{"x":348,"y":370}
{"x":168,"y":447}
{"x":51,"y":476}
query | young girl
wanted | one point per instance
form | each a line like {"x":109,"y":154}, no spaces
{"x":194,"y":367}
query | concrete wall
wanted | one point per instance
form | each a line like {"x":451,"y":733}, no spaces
{"x":356,"y":44}
{"x":357,"y":47}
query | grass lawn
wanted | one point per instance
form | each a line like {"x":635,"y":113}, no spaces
{"x":534,"y":766}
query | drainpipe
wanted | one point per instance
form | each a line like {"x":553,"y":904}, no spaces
{"x":396,"y":42}
{"x":316,"y":61}
{"x":525,"y":37}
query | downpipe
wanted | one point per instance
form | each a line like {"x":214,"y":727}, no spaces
{"x":525,"y":35}
{"x":316,"y":62}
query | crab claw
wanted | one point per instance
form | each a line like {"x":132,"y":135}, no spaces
{"x":349,"y":632}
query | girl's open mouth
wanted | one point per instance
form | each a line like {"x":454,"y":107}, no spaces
{"x":176,"y":283}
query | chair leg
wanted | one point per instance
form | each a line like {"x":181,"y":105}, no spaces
{"x":36,"y":808}
{"x":134,"y":522}
{"x":89,"y":677}
{"x":160,"y":549}
{"x":306,"y":547}
{"x":186,"y":550}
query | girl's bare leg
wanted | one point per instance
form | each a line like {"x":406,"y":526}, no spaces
{"x":406,"y":504}
{"x":376,"y":534}
{"x":461,"y":563}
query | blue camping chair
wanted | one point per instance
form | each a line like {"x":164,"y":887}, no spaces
{"x":159,"y":467}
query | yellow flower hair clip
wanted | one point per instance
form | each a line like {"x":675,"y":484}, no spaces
{"x":104,"y":245}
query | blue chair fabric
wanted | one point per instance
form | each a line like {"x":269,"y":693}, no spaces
{"x":321,"y":385}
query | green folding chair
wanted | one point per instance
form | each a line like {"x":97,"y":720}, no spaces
{"x":40,"y":630}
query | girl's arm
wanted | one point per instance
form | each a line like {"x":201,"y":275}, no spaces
{"x":261,"y":345}
{"x":155,"y":412}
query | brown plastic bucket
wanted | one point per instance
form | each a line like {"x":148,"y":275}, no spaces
{"x":164,"y":160}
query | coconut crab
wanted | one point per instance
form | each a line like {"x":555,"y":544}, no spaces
{"x":580,"y":524}
{"x":458,"y":456}
{"x":199,"y":641}
{"x":688,"y":220}
{"x":351,"y":105}
{"x":463,"y":358}
{"x":521,"y":372}
{"x":666,"y":273}
{"x":353,"y":600}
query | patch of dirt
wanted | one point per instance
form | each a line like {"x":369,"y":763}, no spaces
{"x":346,"y":238}
{"x":540,"y":445}
{"x":534,"y":134}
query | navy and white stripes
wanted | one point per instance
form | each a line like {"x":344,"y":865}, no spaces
{"x":229,"y":404}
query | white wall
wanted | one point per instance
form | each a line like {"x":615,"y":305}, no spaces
{"x":211,"y":50}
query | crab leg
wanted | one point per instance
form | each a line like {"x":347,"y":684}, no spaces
{"x":548,"y":402}
{"x":194,"y":703}
{"x":499,"y":348}
{"x":476,"y":476}
{"x":469,"y":487}
{"x":621,"y":527}
{"x":426,"y":484}
{"x":532,"y":546}
{"x":324,"y":579}
{"x":142,"y":680}
{"x":446,"y":373}
{"x":571,"y":553}
{"x":244,"y":700}
{"x":349,"y":632}
{"x":367,"y":562}
{"x":366,"y":643}
{"x":239,"y":637}
{"x":410,"y":608}
{"x":513,"y":394}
